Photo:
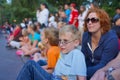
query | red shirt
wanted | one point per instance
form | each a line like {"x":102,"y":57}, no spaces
{"x":16,"y":32}
{"x":74,"y":16}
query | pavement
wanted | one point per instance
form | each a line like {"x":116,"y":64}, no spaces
{"x":10,"y":63}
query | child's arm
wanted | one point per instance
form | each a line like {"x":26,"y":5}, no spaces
{"x":34,"y":44}
{"x":11,"y":38}
{"x":21,"y":38}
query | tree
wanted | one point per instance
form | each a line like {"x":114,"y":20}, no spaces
{"x":23,"y":8}
{"x":20,"y":9}
{"x":2,"y":4}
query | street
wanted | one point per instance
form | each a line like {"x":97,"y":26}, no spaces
{"x":10,"y":63}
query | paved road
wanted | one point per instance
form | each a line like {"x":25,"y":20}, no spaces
{"x":10,"y":63}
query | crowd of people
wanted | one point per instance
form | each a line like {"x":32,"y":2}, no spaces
{"x":70,"y":44}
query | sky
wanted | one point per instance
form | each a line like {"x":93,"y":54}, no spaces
{"x":8,"y":1}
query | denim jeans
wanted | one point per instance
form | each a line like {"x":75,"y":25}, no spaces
{"x":42,"y":62}
{"x":33,"y":71}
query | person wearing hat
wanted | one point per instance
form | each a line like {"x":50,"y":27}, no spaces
{"x":73,"y":15}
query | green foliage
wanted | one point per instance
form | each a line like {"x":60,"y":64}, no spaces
{"x":111,"y":8}
{"x":23,"y":9}
{"x":20,"y":9}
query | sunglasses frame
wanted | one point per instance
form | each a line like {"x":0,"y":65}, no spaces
{"x":93,"y":20}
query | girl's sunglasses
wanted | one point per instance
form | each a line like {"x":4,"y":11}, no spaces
{"x":93,"y":20}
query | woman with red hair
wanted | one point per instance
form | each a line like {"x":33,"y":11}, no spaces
{"x":99,"y":43}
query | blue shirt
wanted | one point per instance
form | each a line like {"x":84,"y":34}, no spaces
{"x":71,"y":64}
{"x":35,"y":37}
{"x":106,"y":51}
{"x":116,"y":17}
{"x":67,"y":12}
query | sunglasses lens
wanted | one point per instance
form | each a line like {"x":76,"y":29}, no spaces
{"x":93,"y":20}
{"x":87,"y":20}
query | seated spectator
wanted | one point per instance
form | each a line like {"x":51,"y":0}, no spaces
{"x":23,"y":24}
{"x":99,"y":42}
{"x":60,"y":25}
{"x":15,"y":35}
{"x":30,"y":21}
{"x":110,"y":72}
{"x":70,"y":65}
{"x":34,"y":37}
{"x":49,"y":37}
{"x":9,"y":29}
{"x":39,"y":29}
{"x":23,"y":40}
{"x":52,"y":22}
{"x":49,"y":40}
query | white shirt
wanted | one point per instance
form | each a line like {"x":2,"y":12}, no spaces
{"x":81,"y":18}
{"x":23,"y":25}
{"x":37,"y":14}
{"x":43,"y":16}
{"x":52,"y":22}
{"x":51,"y":19}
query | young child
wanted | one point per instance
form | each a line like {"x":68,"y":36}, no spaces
{"x":34,"y":38}
{"x":16,"y":34}
{"x":49,"y":37}
{"x":23,"y":40}
{"x":52,"y":21}
{"x":70,"y":65}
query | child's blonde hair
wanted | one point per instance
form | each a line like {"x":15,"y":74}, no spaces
{"x":52,"y":34}
{"x":24,"y":32}
{"x":72,"y":29}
